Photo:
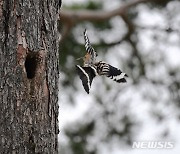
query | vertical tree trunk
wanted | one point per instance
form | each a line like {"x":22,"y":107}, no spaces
{"x":28,"y":76}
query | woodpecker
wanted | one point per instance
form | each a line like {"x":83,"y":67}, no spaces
{"x":92,"y":68}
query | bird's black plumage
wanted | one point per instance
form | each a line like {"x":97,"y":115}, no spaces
{"x":86,"y":75}
{"x":91,"y":67}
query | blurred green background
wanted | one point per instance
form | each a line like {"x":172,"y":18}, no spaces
{"x":143,"y":40}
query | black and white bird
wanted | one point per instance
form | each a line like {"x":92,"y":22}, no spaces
{"x":92,"y":68}
{"x":91,"y":54}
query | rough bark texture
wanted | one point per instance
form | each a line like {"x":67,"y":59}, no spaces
{"x":28,"y":76}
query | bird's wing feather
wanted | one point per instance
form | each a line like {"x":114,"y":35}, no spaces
{"x":86,"y":75}
{"x":111,"y":72}
{"x":116,"y":74}
{"x":88,"y":45}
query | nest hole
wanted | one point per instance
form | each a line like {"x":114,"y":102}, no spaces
{"x":31,"y":65}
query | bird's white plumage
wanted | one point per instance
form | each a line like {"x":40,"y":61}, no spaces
{"x":118,"y":77}
{"x":99,"y":68}
{"x":85,"y":74}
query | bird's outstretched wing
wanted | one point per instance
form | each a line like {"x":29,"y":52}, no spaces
{"x":111,"y":72}
{"x":90,"y":50}
{"x":86,"y":75}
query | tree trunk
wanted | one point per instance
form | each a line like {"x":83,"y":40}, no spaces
{"x":29,"y":76}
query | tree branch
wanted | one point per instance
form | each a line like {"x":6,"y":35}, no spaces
{"x":81,"y":15}
{"x":70,"y":18}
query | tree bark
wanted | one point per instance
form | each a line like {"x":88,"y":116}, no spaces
{"x":29,"y":76}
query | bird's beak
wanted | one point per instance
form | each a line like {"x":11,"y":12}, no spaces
{"x":80,"y":58}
